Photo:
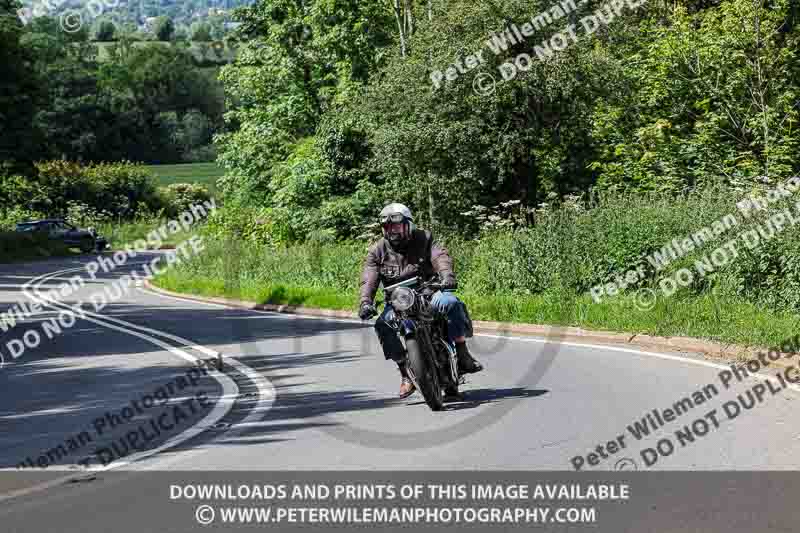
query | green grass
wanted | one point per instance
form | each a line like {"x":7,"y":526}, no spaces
{"x":205,"y":174}
{"x":126,"y":233}
{"x":727,"y":322}
{"x":278,"y":294}
{"x":327,"y":278}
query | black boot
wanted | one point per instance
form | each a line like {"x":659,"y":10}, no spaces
{"x":466,"y":363}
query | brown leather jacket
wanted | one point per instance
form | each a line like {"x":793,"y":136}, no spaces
{"x":423,"y":257}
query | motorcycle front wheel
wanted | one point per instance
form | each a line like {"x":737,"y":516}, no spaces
{"x":425,"y":375}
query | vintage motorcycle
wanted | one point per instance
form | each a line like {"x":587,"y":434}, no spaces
{"x":432,"y":360}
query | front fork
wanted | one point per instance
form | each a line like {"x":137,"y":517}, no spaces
{"x":407,"y":328}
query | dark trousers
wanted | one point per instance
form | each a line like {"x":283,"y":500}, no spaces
{"x":444,"y":303}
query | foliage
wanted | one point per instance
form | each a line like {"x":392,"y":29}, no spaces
{"x":119,"y":189}
{"x":180,"y":196}
{"x":105,"y":31}
{"x":85,"y":216}
{"x":712,"y":98}
{"x":144,"y":103}
{"x":560,"y":259}
{"x":297,"y":61}
{"x":663,"y":99}
{"x":201,"y":31}
{"x":20,"y":92}
{"x":11,"y":216}
{"x":163,"y":28}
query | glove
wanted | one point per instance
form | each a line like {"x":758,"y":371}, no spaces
{"x":367,"y":311}
{"x":449,"y":282}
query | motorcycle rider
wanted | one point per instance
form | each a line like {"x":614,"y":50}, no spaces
{"x":402,"y":253}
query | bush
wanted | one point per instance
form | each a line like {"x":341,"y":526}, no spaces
{"x":163,"y":28}
{"x":239,"y":222}
{"x":120,"y":189}
{"x":569,"y":250}
{"x":105,"y":31}
{"x":123,"y":188}
{"x":768,"y":275}
{"x":178,"y":197}
{"x":18,"y":190}
{"x":11,"y":216}
{"x":84,"y":216}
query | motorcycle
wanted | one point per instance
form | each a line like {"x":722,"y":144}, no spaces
{"x":432,"y":359}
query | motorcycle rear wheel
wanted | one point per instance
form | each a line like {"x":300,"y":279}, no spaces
{"x":425,"y":375}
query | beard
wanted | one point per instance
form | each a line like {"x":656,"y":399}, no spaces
{"x":397,"y":237}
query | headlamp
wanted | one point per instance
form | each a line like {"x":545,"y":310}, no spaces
{"x":402,"y":298}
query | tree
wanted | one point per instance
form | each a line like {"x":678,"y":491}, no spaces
{"x":404,"y":16}
{"x":77,"y":121}
{"x":201,"y":32}
{"x":181,"y":34}
{"x":105,"y":31}
{"x":296,"y":60}
{"x":216,"y":25}
{"x":163,"y":28}
{"x":711,"y":98}
{"x":20,"y":93}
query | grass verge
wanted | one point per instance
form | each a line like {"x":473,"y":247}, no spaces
{"x":705,"y":316}
{"x":120,"y":235}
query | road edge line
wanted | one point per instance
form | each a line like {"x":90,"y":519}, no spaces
{"x":708,"y":349}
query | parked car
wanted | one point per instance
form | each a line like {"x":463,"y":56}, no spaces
{"x":88,"y":240}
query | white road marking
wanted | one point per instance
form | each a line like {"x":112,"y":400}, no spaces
{"x":540,"y":340}
{"x":221,"y":408}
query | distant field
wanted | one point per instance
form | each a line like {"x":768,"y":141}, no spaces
{"x":200,"y":173}
{"x":215,"y":52}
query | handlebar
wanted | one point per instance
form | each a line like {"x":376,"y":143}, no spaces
{"x":433,"y":285}
{"x":425,"y":287}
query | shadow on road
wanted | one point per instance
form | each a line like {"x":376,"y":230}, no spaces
{"x":55,"y":390}
{"x":477,"y":397}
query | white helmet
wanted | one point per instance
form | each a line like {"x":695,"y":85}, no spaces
{"x":397,"y":214}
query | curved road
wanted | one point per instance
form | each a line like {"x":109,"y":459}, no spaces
{"x":301,"y":393}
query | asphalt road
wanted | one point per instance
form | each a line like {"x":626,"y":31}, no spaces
{"x":308,"y":394}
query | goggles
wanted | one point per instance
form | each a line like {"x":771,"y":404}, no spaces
{"x":392,"y":219}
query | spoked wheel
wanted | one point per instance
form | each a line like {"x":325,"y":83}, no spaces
{"x":425,"y":375}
